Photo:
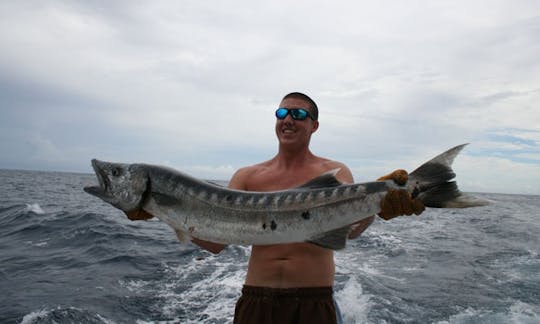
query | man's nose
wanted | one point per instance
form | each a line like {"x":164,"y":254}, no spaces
{"x":288,"y":118}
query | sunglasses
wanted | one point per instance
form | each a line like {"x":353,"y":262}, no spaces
{"x":296,"y":113}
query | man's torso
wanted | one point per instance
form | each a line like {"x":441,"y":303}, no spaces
{"x":288,"y":265}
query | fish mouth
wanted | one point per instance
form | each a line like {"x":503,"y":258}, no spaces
{"x":103,"y":180}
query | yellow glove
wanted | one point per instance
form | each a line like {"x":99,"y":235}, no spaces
{"x":138,"y":214}
{"x":399,"y":202}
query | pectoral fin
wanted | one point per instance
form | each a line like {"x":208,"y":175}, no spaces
{"x":334,"y":240}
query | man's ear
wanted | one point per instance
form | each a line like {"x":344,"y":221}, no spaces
{"x":315,"y":126}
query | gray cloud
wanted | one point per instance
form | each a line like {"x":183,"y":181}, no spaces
{"x":194,"y":84}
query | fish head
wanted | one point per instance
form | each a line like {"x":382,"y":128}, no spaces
{"x":121,"y":185}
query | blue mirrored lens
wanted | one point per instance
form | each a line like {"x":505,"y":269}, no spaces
{"x":281,"y":113}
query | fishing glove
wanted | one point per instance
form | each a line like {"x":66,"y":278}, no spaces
{"x":399,"y":202}
{"x":139,"y":214}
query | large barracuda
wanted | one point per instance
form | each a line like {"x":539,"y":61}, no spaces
{"x":319,"y":212}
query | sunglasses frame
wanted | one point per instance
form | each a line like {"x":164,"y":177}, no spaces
{"x":294,"y":113}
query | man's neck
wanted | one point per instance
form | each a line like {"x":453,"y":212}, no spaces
{"x":288,"y":158}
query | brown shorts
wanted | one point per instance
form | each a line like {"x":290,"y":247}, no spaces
{"x":263,"y":305}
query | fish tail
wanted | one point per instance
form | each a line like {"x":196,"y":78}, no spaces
{"x":431,"y":183}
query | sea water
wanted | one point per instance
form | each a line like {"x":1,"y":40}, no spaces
{"x":68,"y":257}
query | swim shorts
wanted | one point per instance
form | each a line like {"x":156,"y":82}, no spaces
{"x":263,"y":305}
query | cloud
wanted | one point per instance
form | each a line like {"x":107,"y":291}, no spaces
{"x":218,"y":172}
{"x":196,"y":83}
{"x":497,"y":174}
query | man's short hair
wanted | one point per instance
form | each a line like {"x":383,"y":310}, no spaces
{"x":313,"y":105}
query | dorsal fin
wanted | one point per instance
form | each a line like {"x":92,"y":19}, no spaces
{"x":325,"y":180}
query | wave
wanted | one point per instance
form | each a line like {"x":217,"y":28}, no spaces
{"x":34,"y":208}
{"x":64,"y":315}
{"x":518,"y":312}
{"x":66,"y":257}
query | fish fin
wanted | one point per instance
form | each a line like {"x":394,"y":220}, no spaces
{"x":334,"y":240}
{"x":437,"y":195}
{"x":182,"y":236}
{"x":432,"y":185}
{"x":325,"y":180}
{"x":438,"y":169}
{"x":163,"y":199}
{"x":447,"y":195}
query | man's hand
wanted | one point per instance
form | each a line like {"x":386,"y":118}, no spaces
{"x":138,"y":214}
{"x":399,"y":176}
{"x":399,"y":202}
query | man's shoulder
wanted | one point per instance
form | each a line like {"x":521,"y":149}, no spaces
{"x":344,"y":174}
{"x":251,"y":169}
{"x":243,"y":175}
{"x":332,"y":163}
{"x":329,"y":164}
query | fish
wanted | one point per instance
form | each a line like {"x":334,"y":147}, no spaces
{"x":319,"y":212}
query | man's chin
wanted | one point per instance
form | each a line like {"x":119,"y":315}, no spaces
{"x":292,"y":141}
{"x":288,"y":138}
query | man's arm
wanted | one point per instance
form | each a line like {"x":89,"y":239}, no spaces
{"x":208,"y":246}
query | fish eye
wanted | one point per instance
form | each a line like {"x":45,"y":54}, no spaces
{"x":115,"y":172}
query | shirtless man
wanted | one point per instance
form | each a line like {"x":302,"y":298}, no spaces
{"x":292,"y":283}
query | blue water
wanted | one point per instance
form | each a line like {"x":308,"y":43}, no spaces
{"x":67,"y":257}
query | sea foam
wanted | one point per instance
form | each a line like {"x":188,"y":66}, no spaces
{"x":34,"y":208}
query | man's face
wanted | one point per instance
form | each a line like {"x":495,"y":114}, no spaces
{"x":295,"y":132}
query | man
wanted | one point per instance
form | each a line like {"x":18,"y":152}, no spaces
{"x":292,"y":283}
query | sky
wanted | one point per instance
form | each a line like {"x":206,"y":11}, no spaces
{"x":194,"y":84}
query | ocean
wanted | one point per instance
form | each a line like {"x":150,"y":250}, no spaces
{"x":68,"y":257}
